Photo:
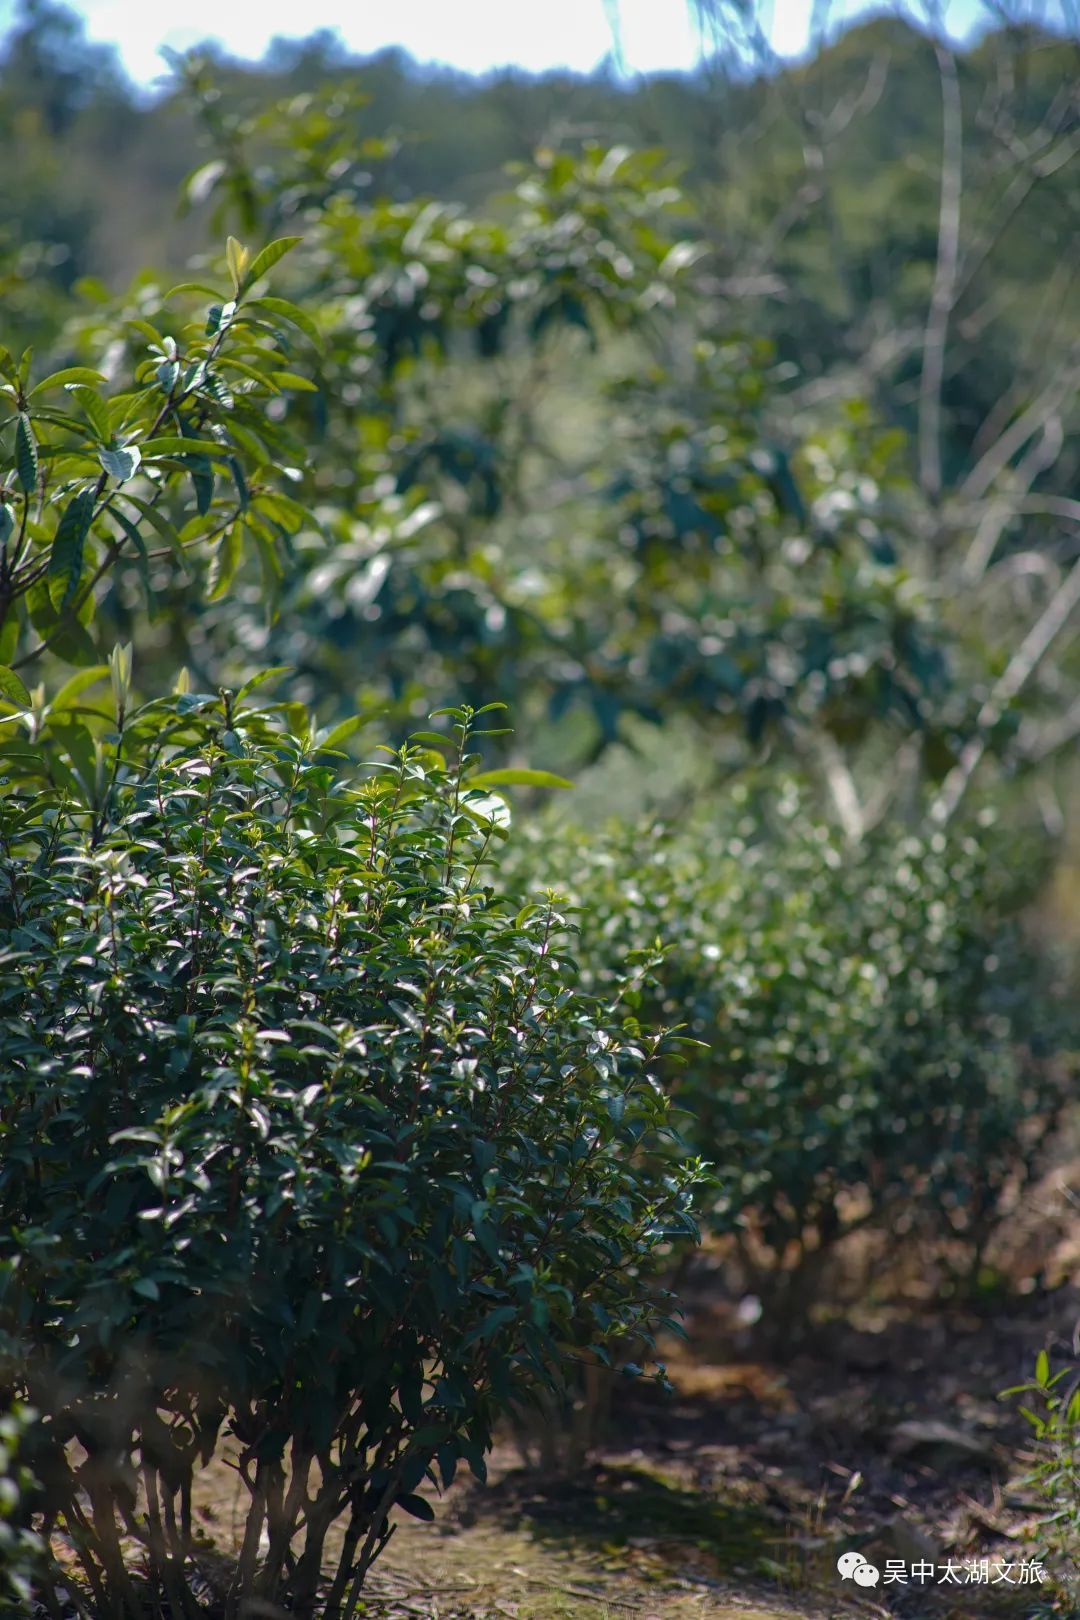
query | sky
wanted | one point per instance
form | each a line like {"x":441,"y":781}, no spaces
{"x":473,"y":35}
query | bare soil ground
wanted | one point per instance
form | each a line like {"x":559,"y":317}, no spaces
{"x":732,"y":1499}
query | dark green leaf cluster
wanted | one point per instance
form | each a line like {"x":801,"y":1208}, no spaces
{"x":190,"y":460}
{"x":306,"y":1134}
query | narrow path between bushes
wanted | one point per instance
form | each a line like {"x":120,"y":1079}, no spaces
{"x":621,"y":1543}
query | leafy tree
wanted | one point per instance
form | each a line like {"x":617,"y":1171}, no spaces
{"x":308,"y":1139}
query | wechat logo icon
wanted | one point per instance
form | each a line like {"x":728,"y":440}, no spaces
{"x":853,"y":1567}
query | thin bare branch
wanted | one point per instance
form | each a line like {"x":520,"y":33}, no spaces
{"x":994,"y":460}
{"x":1018,"y":672}
{"x":1051,"y":738}
{"x":945,"y":269}
{"x":1001,"y":511}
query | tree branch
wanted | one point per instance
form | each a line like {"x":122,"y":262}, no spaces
{"x":945,"y":269}
{"x":1020,"y":668}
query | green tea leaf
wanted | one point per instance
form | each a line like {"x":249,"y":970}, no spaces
{"x":261,"y":678}
{"x":192,"y":287}
{"x":170,"y":446}
{"x":93,"y":408}
{"x":269,"y":256}
{"x":12,"y":688}
{"x":66,"y":556}
{"x":225,"y":562}
{"x":26,"y":460}
{"x":70,"y":374}
{"x":121,"y":464}
{"x":292,"y":380}
{"x":289,"y":312}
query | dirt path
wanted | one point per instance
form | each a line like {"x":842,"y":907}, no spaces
{"x":569,"y":1553}
{"x":494,"y":1572}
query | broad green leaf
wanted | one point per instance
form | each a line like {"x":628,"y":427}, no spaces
{"x":121,"y":464}
{"x":26,"y":460}
{"x":513,"y":777}
{"x":261,"y":678}
{"x":225,"y":562}
{"x":202,"y":482}
{"x":266,"y":260}
{"x":12,"y":688}
{"x":66,"y":556}
{"x":7,"y":523}
{"x":240,"y":481}
{"x":228,"y":362}
{"x":343,"y":730}
{"x":489,"y":809}
{"x":284,"y":511}
{"x":49,"y":621}
{"x":293,"y":380}
{"x":149,"y":332}
{"x":192,"y":287}
{"x":169,"y":446}
{"x":289,"y":312}
{"x":70,"y":374}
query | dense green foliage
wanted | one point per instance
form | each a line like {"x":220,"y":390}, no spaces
{"x":879,"y":1044}
{"x":742,"y":468}
{"x":96,"y":473}
{"x":305,"y":1135}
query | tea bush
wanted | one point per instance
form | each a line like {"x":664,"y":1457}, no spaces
{"x":879,"y":1039}
{"x":309,"y":1139}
